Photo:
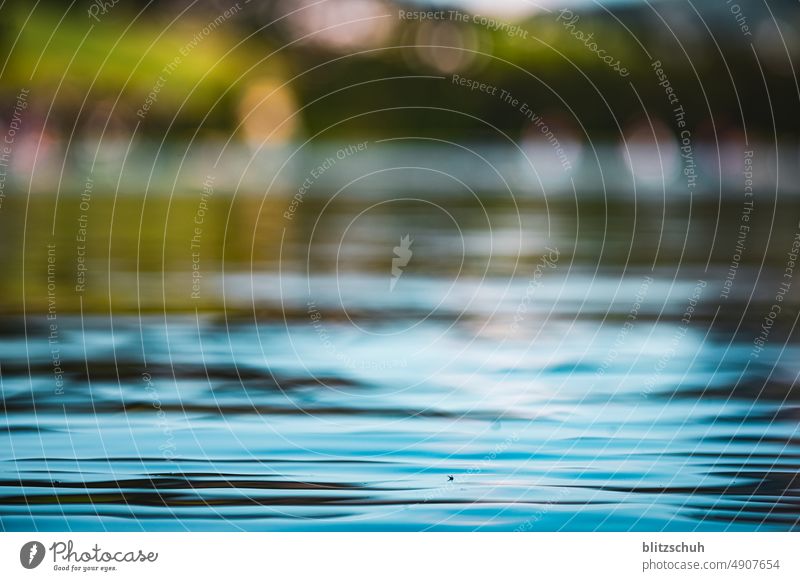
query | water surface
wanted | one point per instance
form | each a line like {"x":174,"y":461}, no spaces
{"x":535,"y":366}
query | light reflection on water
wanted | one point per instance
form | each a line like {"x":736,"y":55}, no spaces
{"x":528,"y":371}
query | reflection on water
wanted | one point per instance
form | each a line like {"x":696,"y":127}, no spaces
{"x":533,"y":366}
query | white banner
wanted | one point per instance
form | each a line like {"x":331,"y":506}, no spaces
{"x":399,"y":556}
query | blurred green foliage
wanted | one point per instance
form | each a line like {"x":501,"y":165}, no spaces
{"x":65,"y":57}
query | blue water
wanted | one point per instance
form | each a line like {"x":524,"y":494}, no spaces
{"x":564,"y":395}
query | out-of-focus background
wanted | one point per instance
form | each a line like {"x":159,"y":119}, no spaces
{"x":133,"y":100}
{"x":371,"y":265}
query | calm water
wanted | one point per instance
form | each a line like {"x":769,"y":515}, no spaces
{"x":534,"y":367}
